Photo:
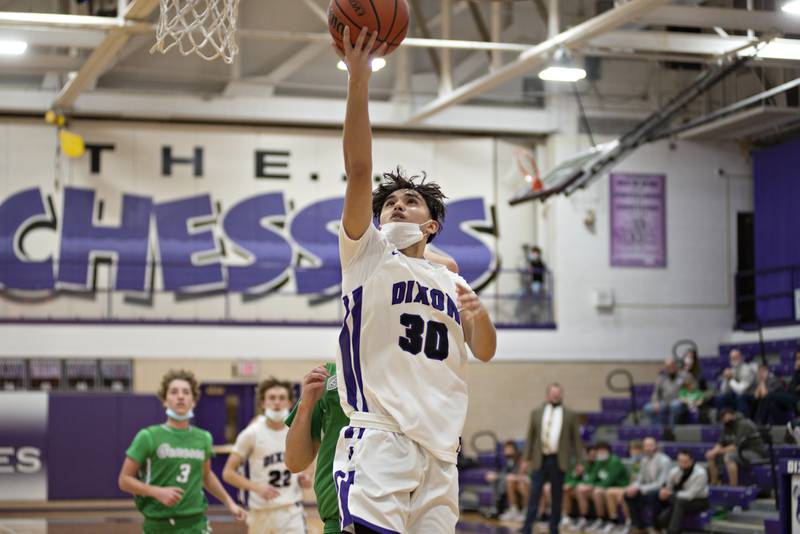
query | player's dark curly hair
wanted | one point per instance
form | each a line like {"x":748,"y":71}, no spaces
{"x":397,"y":180}
{"x":270,"y":383}
{"x":179,"y":374}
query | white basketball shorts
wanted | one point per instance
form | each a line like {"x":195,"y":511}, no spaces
{"x":389,"y":483}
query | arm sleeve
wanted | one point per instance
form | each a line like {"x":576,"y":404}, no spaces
{"x":141,"y":447}
{"x":528,"y":454}
{"x":209,"y":446}
{"x":290,"y":419}
{"x":368,"y":249}
{"x":245,"y":442}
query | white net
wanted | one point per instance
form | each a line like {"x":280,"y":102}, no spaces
{"x":204,"y":27}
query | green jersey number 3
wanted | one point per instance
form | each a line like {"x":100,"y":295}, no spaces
{"x":186,"y":469}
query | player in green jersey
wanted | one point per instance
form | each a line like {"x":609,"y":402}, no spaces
{"x":168,"y":465}
{"x":314,"y":424}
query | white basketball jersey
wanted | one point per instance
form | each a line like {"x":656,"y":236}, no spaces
{"x":401,"y":349}
{"x":264,"y":450}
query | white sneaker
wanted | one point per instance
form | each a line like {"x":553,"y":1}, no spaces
{"x":623,"y":529}
{"x":510,"y":514}
{"x":595,"y":526}
{"x":607,"y":528}
{"x":580,"y":524}
{"x":566,"y":523}
{"x":520,"y":516}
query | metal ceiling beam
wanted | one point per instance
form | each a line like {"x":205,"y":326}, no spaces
{"x":280,"y":110}
{"x":61,"y":37}
{"x":103,"y":55}
{"x":726,"y":18}
{"x":690,"y":43}
{"x":51,"y":21}
{"x":538,"y":55}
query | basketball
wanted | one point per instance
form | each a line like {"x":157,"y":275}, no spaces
{"x":388,"y":17}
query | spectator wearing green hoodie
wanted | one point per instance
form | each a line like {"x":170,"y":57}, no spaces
{"x":607,"y":471}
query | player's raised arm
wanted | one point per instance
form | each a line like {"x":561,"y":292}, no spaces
{"x":357,"y":138}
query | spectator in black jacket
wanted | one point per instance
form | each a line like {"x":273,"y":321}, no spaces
{"x":780,"y":406}
{"x":739,"y":438}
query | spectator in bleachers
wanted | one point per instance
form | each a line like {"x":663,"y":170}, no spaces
{"x":739,"y":437}
{"x":692,"y":366}
{"x":737,"y":384}
{"x":607,"y":471}
{"x":686,"y":492}
{"x":665,"y":407}
{"x":692,"y":399}
{"x":553,"y":442}
{"x":579,"y":474}
{"x":615,"y":497}
{"x":780,"y":406}
{"x":511,"y":484}
{"x":766,"y":384}
{"x":643,"y":492}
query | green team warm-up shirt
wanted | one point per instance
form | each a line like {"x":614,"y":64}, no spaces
{"x":327,"y":420}
{"x":170,"y":457}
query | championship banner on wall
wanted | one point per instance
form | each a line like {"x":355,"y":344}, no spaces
{"x":172,"y":223}
{"x":638,"y":220}
{"x":23,"y":438}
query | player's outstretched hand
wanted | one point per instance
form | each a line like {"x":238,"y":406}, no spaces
{"x":358,"y":57}
{"x":314,"y":385}
{"x":168,"y":496}
{"x":237,"y":511}
{"x":469,"y":305}
{"x":267,"y":492}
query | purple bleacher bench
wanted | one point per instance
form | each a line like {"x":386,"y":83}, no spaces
{"x":629,"y":432}
{"x":710,"y":433}
{"x":605,"y":418}
{"x":757,"y":475}
{"x":644,"y":390}
{"x":730,"y":496}
{"x":473,"y":475}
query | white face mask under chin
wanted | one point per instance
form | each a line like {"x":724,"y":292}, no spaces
{"x":276,"y":416}
{"x":403,"y":234}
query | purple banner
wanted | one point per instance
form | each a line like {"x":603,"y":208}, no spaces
{"x":638,"y":220}
{"x":23,"y":438}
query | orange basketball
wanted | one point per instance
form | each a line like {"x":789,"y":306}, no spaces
{"x":388,"y":17}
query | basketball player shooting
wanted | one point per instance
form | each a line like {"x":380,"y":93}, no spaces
{"x":402,"y":349}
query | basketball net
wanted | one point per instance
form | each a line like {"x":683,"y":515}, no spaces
{"x":204,"y":27}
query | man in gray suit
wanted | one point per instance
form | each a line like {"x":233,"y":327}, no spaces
{"x":553,"y":444}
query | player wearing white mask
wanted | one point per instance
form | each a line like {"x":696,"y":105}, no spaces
{"x":275,"y":494}
{"x":402,"y":349}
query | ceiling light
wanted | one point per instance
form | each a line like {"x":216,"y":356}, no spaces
{"x":377,"y":64}
{"x":562,"y":74}
{"x":562,"y":69}
{"x":775,"y":49}
{"x":792,"y":6}
{"x":13,"y":48}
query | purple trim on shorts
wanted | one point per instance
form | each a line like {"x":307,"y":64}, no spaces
{"x":347,"y":366}
{"x":344,"y":496}
{"x":348,"y":432}
{"x":360,"y":433}
{"x":357,"y":293}
{"x":374,"y":527}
